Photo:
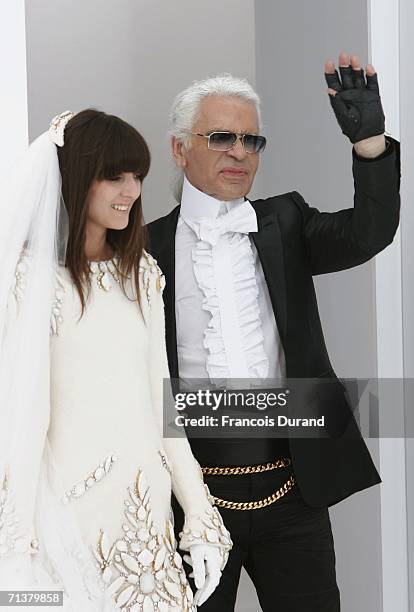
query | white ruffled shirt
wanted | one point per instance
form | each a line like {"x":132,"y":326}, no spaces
{"x":226,"y":328}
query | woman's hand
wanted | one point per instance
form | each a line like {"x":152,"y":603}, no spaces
{"x":206,"y":562}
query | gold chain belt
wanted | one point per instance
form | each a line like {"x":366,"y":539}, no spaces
{"x":252,"y":469}
{"x":249,"y":469}
{"x":261,"y":503}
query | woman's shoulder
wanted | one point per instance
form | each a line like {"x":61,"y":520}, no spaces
{"x":153,"y":279}
{"x":148,"y":261}
{"x":149,"y":266}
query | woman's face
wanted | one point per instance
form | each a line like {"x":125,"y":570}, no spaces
{"x":109,"y":201}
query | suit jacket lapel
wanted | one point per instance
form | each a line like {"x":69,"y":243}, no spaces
{"x":268,"y":242}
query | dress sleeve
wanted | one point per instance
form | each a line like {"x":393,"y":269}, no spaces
{"x":203,"y":522}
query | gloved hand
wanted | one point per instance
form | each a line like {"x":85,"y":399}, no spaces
{"x":356,"y":102}
{"x":206,"y":562}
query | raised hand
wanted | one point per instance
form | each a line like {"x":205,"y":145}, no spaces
{"x":355,"y":98}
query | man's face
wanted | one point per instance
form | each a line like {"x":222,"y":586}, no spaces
{"x":225,"y":175}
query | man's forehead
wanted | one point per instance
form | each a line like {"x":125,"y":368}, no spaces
{"x":221,"y":113}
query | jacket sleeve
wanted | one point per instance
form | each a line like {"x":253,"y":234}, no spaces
{"x":339,"y":240}
{"x":203,"y":523}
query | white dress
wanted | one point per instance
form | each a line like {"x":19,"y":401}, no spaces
{"x":102,"y":528}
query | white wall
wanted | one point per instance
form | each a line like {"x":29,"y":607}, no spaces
{"x":384,"y":26}
{"x":131,"y":57}
{"x":13,"y":100}
{"x":406,"y":46}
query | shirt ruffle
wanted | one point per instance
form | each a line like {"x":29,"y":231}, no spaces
{"x":243,"y":279}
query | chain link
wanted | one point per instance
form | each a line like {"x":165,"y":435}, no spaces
{"x":261,"y":503}
{"x":249,"y":469}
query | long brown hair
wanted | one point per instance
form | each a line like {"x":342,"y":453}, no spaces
{"x":97,"y":147}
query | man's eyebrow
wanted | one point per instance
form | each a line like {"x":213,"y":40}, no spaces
{"x":218,"y":129}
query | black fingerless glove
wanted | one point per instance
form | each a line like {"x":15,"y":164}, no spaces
{"x":357,"y":105}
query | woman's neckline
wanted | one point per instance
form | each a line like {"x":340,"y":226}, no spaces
{"x":103,"y":261}
{"x":104,"y":257}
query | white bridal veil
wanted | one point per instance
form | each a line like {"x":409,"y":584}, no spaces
{"x":34,"y":526}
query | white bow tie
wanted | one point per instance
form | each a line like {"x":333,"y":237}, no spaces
{"x":241,"y":218}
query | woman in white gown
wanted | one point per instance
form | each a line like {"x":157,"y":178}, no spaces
{"x":85,"y":474}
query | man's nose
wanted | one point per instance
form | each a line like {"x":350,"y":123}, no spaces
{"x":237,"y":151}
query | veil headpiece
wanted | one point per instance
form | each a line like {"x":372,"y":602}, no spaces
{"x":57,"y":127}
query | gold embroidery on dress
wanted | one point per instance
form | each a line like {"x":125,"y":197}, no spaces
{"x":151,"y":269}
{"x":56,"y":316}
{"x":20,"y":273}
{"x":11,"y":539}
{"x":142,"y":569}
{"x":165,"y":462}
{"x":208,"y":529}
{"x":97,"y":474}
{"x":106,"y":272}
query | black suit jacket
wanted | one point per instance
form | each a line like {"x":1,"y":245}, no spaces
{"x":294,"y":242}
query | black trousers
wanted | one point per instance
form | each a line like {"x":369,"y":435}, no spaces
{"x":286,"y":548}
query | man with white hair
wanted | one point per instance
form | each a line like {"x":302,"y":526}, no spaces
{"x":240,"y":304}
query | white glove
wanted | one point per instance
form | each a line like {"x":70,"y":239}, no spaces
{"x":206,"y":562}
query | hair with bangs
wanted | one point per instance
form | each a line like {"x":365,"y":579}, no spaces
{"x":97,"y":147}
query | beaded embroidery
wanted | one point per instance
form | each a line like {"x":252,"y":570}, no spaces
{"x":57,"y":127}
{"x":93,"y":477}
{"x":56,"y":316}
{"x":22,"y":268}
{"x":207,"y":529}
{"x":165,"y":462}
{"x":20,"y":273}
{"x":106,"y":272}
{"x":142,"y":570}
{"x":151,"y":270}
{"x":11,"y":540}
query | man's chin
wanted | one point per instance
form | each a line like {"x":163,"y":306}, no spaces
{"x":234,"y":191}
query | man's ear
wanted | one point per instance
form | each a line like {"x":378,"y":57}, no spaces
{"x":178,"y":152}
